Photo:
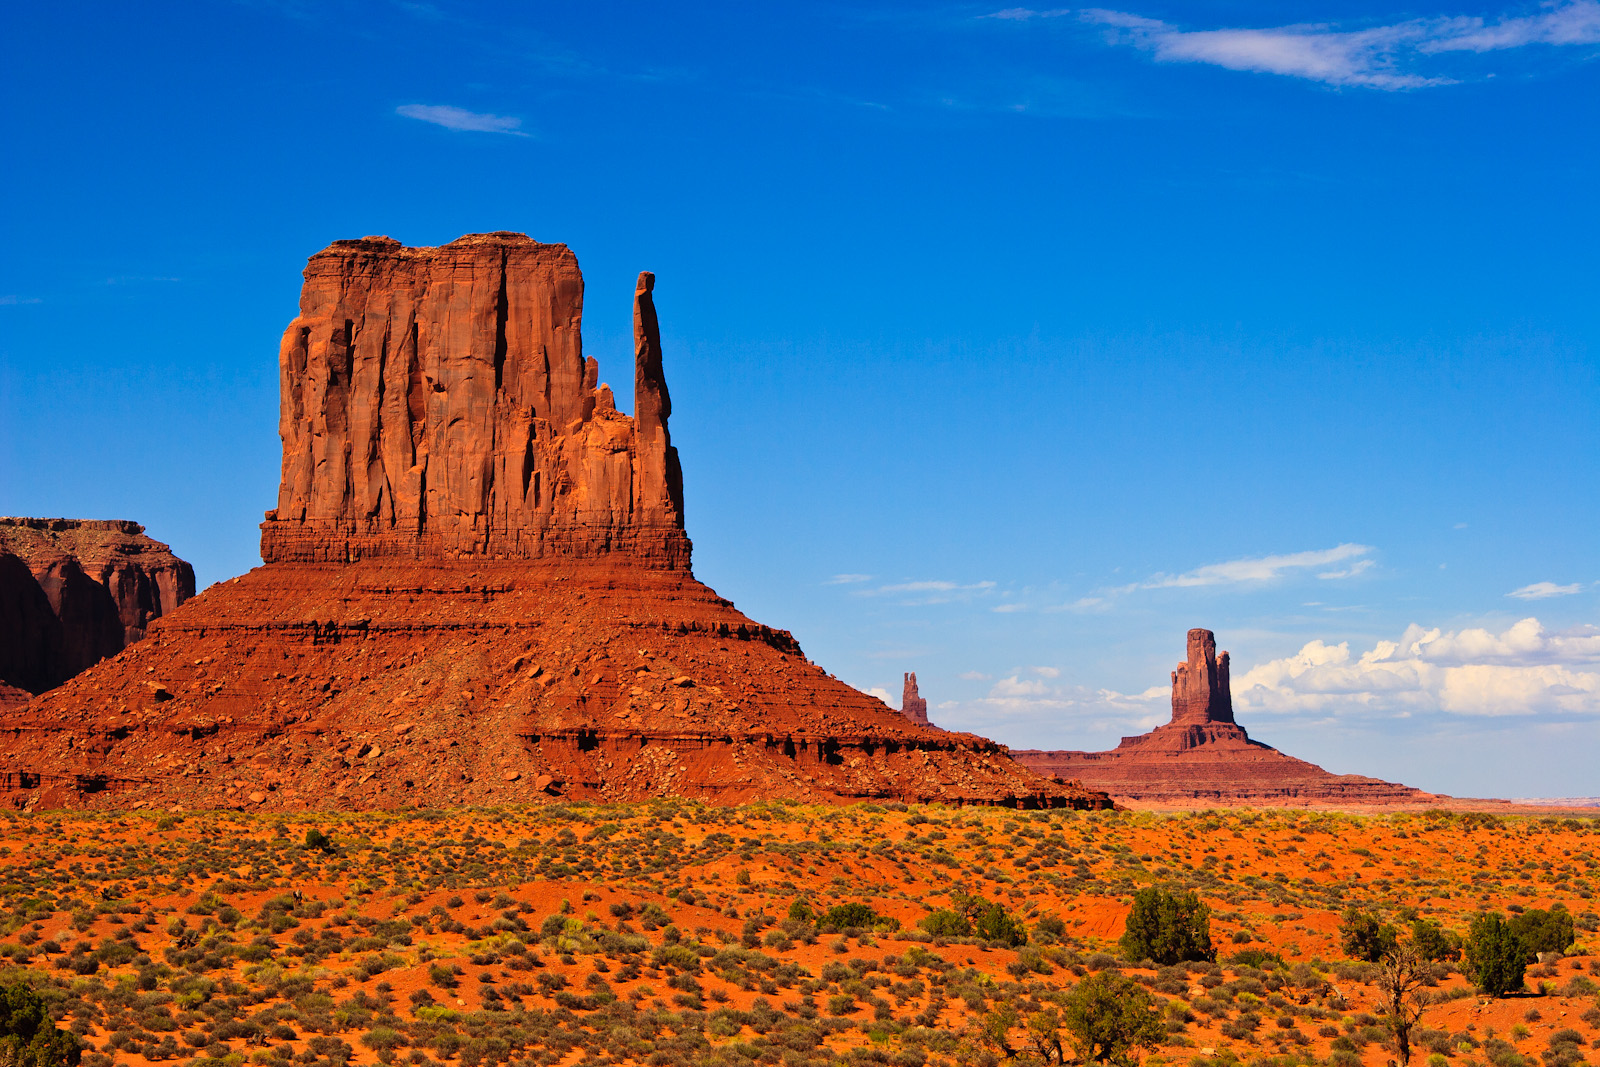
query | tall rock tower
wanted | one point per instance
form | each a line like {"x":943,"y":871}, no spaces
{"x":912,"y":705}
{"x":1200,"y":693}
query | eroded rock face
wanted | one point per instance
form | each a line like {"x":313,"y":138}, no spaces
{"x":1200,"y":692}
{"x":436,"y":404}
{"x":74,"y":591}
{"x":477,"y":590}
{"x":912,"y":705}
{"x":1203,"y":756}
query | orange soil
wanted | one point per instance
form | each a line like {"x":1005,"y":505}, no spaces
{"x":1271,"y":869}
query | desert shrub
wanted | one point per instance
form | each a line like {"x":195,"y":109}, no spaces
{"x":1167,"y":928}
{"x":1544,"y":931}
{"x":1365,"y":937}
{"x":1433,"y":942}
{"x":1496,"y":957}
{"x":946,"y":923}
{"x":1259,"y":958}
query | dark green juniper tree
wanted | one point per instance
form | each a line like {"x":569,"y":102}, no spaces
{"x":1167,"y":928}
{"x":1496,"y":956}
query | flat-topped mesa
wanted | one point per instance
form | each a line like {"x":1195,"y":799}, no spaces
{"x":912,"y":704}
{"x":436,"y":404}
{"x":1200,"y":691}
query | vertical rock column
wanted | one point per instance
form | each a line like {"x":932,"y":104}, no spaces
{"x":1200,"y":691}
{"x":658,"y":489}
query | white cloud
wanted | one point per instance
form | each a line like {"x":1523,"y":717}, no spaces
{"x":1264,"y":568}
{"x":848,"y":579}
{"x":974,"y":676}
{"x":1033,"y":700}
{"x":1557,"y":24}
{"x":455,"y":118}
{"x":1544,"y":590}
{"x":1378,"y":57}
{"x":879,"y":692}
{"x":1524,"y":670}
{"x":1046,"y":672}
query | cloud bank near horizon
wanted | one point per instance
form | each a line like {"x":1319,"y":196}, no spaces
{"x":1524,"y":670}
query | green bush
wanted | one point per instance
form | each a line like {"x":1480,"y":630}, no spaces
{"x":1108,"y":1016}
{"x":1433,"y":942}
{"x":946,"y":923}
{"x":847,"y":916}
{"x":1365,"y":937}
{"x":28,"y":1036}
{"x":1496,"y":956}
{"x":1544,"y":931}
{"x":1167,"y":927}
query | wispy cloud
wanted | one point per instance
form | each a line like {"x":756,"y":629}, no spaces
{"x":935,"y":591}
{"x":848,"y":579}
{"x":1545,"y":590}
{"x":1265,"y":568}
{"x":1378,"y":57}
{"x":456,"y":118}
{"x":12,"y":299}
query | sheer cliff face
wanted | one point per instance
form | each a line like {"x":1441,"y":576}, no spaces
{"x":436,"y":404}
{"x":1200,"y":692}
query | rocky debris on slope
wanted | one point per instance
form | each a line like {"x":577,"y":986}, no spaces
{"x":74,"y":591}
{"x":437,"y":405}
{"x":381,"y":684}
{"x":912,"y":705}
{"x":476,"y":590}
{"x":1203,"y":755}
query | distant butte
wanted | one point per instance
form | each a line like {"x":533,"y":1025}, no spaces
{"x":1202,"y":756}
{"x":74,"y":591}
{"x":476,"y":590}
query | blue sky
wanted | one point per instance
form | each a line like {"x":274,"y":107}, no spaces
{"x":1005,"y":344}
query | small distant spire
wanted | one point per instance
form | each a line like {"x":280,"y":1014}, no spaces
{"x":912,"y":706}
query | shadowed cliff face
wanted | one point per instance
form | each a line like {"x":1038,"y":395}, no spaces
{"x":436,"y":404}
{"x":74,"y":591}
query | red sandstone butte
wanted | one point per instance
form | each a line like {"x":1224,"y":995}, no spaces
{"x":912,"y":705}
{"x":1203,"y":756}
{"x":74,"y":591}
{"x":476,"y":590}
